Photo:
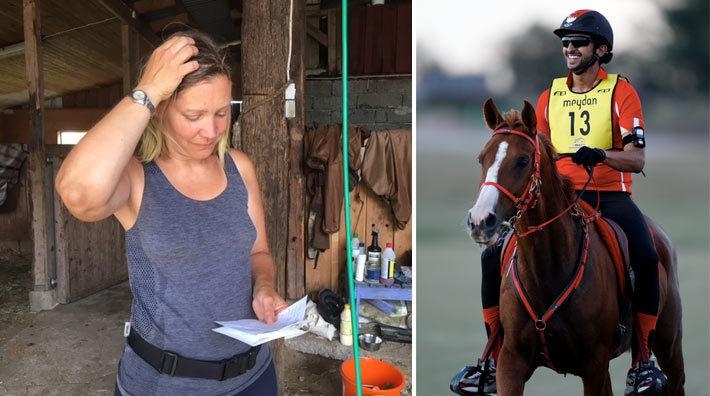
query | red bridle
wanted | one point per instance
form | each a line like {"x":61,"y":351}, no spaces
{"x":531,"y":193}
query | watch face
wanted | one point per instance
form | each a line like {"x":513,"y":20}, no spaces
{"x":139,"y":95}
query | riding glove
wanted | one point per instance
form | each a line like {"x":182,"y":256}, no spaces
{"x":587,"y":156}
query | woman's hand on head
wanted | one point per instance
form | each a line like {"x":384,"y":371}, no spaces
{"x":267,"y":303}
{"x":167,"y":66}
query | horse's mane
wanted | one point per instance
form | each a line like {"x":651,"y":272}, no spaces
{"x":513,"y":120}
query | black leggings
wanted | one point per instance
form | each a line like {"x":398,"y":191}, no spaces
{"x":619,"y":207}
{"x":616,"y":206}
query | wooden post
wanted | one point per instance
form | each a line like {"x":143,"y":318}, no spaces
{"x":130,"y":46}
{"x":295,"y":255}
{"x":272,"y":142}
{"x":334,"y":41}
{"x":41,"y":194}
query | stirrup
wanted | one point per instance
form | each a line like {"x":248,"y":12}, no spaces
{"x":646,"y":379}
{"x":483,"y":367}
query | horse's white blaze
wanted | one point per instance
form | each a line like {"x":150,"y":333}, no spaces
{"x":488,"y":196}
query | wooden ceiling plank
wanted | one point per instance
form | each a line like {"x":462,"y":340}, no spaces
{"x":145,"y":6}
{"x":129,"y":16}
{"x":160,"y":14}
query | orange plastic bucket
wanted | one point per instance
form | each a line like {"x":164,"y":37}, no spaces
{"x":378,"y":378}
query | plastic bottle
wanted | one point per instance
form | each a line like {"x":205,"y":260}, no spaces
{"x":346,"y":326}
{"x":387,"y":260}
{"x":355,"y":246}
{"x":360,"y":264}
{"x":363,"y":249}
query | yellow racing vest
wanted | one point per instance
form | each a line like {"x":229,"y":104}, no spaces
{"x":581,"y":119}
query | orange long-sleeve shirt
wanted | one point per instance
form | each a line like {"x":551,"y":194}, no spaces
{"x":626,"y":107}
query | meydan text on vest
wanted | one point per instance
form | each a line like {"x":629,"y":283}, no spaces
{"x":585,"y":101}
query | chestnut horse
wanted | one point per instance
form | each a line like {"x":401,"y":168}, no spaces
{"x":574,"y":334}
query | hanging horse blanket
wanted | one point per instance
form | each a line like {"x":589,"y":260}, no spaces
{"x":387,"y":169}
{"x":11,"y":158}
{"x":324,"y":176}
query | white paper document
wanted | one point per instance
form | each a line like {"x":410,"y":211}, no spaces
{"x":254,"y":332}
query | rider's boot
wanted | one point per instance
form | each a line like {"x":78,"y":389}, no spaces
{"x":481,"y":378}
{"x":644,"y":378}
{"x":476,"y":380}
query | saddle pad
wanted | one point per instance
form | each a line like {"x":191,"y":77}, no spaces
{"x":615,"y":241}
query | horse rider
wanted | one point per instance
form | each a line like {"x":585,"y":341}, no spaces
{"x":595,"y":118}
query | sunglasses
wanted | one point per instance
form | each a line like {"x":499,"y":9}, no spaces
{"x":577,"y":41}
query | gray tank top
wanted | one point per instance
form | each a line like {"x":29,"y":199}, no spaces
{"x":189,"y":265}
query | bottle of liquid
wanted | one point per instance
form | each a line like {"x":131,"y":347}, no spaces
{"x":387,"y":261}
{"x":374,"y":252}
{"x":361,"y":263}
{"x":355,"y":246}
{"x":346,"y":326}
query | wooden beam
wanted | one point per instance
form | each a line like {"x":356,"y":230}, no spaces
{"x":130,"y":17}
{"x":40,"y":178}
{"x":333,"y":46}
{"x":130,"y":48}
{"x":33,"y":68}
{"x":296,"y":248}
{"x":319,"y":36}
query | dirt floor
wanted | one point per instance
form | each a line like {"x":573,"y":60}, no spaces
{"x":74,"y":349}
{"x":15,"y":282}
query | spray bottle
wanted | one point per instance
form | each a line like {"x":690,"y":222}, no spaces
{"x":387,"y":262}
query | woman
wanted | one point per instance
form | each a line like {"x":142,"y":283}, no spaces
{"x":196,"y":239}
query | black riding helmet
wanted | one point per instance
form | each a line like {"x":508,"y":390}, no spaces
{"x":592,"y":23}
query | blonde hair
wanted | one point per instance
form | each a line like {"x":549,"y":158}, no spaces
{"x":212,"y":62}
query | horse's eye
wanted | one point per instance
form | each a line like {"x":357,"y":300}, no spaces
{"x":480,"y":160}
{"x":522,"y":162}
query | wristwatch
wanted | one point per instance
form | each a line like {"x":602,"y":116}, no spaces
{"x":140,"y":97}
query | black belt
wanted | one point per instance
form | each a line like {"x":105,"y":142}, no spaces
{"x":172,"y":364}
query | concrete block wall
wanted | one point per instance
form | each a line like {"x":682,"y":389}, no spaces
{"x":375,"y":103}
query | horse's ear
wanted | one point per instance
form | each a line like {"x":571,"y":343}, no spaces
{"x":529,"y":118}
{"x":491,"y":114}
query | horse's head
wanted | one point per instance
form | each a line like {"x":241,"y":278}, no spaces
{"x":510,"y":164}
